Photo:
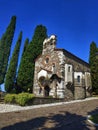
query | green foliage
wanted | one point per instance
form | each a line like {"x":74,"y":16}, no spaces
{"x":92,"y":57}
{"x":93,"y":61}
{"x":21,"y":99}
{"x":22,"y":65}
{"x":10,"y":79}
{"x":5,"y":45}
{"x":94,"y":118}
{"x":26,"y":70}
{"x":10,"y":98}
{"x":24,"y":98}
{"x":25,"y":46}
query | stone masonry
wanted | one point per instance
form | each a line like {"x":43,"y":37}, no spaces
{"x":60,"y":74}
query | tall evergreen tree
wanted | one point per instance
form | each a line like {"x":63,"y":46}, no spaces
{"x":25,"y":46}
{"x":5,"y":45}
{"x":26,"y":73}
{"x":96,"y":87}
{"x":26,"y":43}
{"x":12,"y":69}
{"x":93,"y":61}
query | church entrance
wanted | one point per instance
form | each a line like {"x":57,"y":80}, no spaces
{"x":46,"y":91}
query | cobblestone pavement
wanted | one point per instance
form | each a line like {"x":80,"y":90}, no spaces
{"x":72,"y":116}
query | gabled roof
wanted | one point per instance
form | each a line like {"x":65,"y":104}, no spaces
{"x":72,"y":56}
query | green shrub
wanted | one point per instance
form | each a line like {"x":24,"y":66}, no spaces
{"x":9,"y":98}
{"x":20,"y":99}
{"x":94,"y":118}
{"x":24,"y":98}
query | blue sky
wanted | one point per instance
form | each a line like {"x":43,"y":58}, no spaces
{"x":75,"y":22}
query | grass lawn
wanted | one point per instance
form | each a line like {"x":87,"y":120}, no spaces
{"x":94,"y":118}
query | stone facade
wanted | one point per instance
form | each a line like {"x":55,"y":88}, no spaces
{"x":60,"y":74}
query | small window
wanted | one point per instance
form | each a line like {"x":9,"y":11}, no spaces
{"x":69,"y":68}
{"x":53,"y":66}
{"x":47,"y":60}
{"x":78,"y":79}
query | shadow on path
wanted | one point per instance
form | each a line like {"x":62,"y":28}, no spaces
{"x":62,"y":121}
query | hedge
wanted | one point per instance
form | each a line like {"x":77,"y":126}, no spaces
{"x":21,"y":99}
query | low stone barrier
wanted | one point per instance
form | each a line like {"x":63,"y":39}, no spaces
{"x":45,"y":100}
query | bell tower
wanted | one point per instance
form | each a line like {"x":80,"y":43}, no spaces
{"x":49,"y":44}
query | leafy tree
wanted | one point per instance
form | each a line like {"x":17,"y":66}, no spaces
{"x":5,"y":45}
{"x":26,"y":73}
{"x":12,"y":69}
{"x":93,"y":61}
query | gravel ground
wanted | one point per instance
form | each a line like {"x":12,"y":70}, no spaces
{"x":10,"y":108}
{"x":60,"y":116}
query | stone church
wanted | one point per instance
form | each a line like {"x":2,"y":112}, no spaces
{"x":60,"y":74}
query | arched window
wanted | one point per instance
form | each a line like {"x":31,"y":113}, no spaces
{"x":78,"y":78}
{"x":42,"y":80}
{"x":47,"y":60}
{"x":53,"y":67}
{"x":69,"y":68}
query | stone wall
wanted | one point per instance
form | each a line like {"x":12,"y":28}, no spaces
{"x":77,"y":90}
{"x":39,"y":100}
{"x":80,"y":92}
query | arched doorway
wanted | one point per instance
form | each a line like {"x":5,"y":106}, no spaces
{"x":46,"y":90}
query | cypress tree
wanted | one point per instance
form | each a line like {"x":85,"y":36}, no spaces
{"x":12,"y":69}
{"x":5,"y":45}
{"x":93,"y":61}
{"x":26,"y":43}
{"x":25,"y":46}
{"x":96,"y":87}
{"x":26,"y":75}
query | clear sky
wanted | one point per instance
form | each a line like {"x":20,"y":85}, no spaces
{"x":75,"y":22}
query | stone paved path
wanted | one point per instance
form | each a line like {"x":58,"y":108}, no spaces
{"x":70,"y":116}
